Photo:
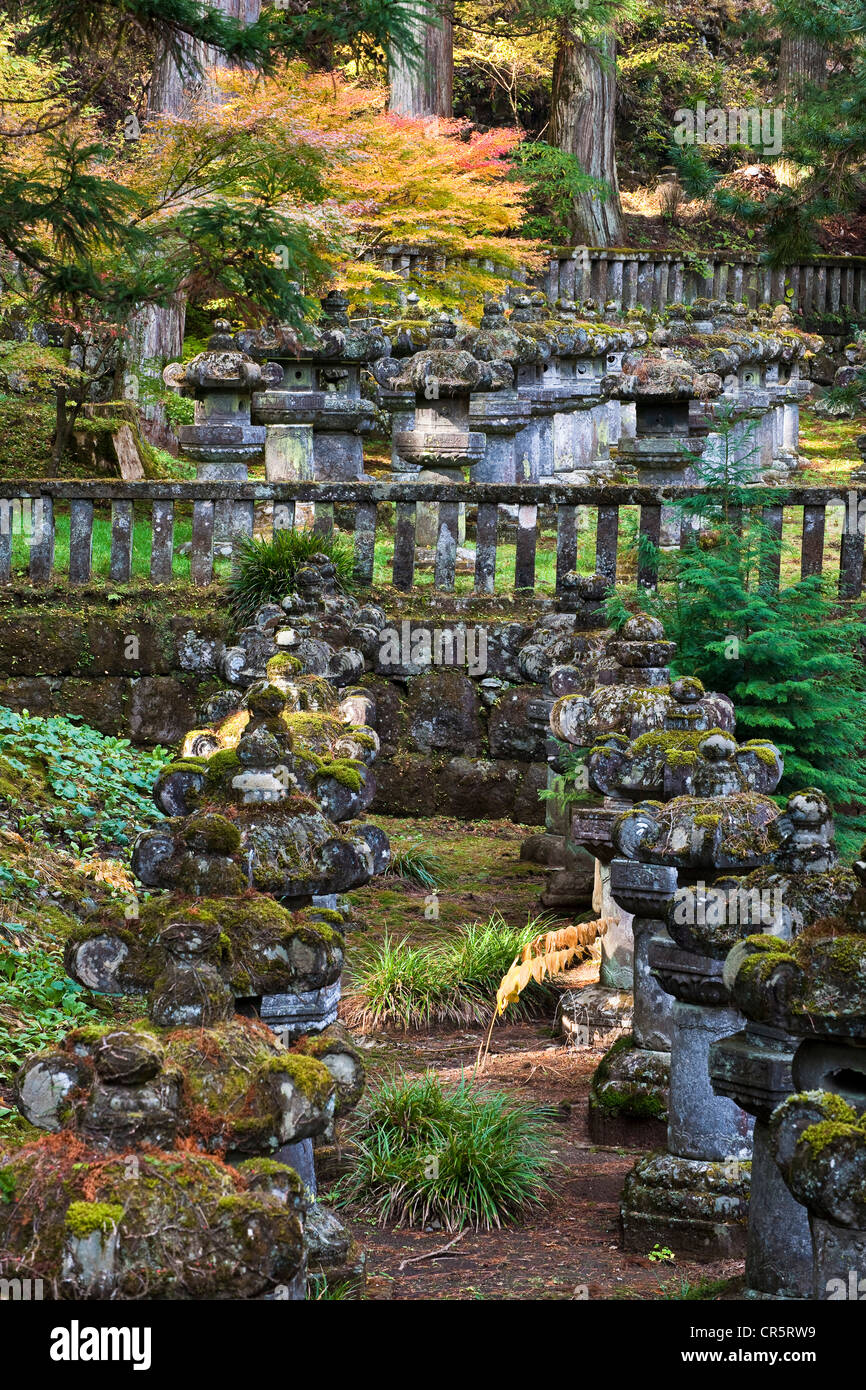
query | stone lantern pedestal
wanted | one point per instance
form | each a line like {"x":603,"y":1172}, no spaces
{"x":753,"y":1068}
{"x":500,"y":416}
{"x":694,"y":1198}
{"x":222,"y":439}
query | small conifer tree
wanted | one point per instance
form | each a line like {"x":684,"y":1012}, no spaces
{"x":790,"y":656}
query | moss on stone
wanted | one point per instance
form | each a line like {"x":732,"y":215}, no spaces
{"x":308,"y":1075}
{"x":221,"y":766}
{"x":83,"y":1218}
{"x":346,"y":771}
{"x":763,"y":750}
{"x":210,"y":832}
{"x":283,"y":666}
{"x":821,"y":1136}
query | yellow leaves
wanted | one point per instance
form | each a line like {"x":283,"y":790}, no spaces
{"x":429,"y":183}
{"x":548,"y":955}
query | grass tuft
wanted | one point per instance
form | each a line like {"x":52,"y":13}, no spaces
{"x":451,"y":981}
{"x":462,"y":1157}
{"x":265,"y":571}
{"x":417,"y":864}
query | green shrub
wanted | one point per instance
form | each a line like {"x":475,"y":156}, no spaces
{"x":418,"y":864}
{"x":38,"y":1001}
{"x":453,"y":980}
{"x":553,"y":179}
{"x":463,"y":1157}
{"x":789,"y":657}
{"x":88,"y":790}
{"x":179,"y":410}
{"x":265,"y":571}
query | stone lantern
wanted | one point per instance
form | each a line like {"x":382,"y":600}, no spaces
{"x":222,"y":440}
{"x":811,"y":989}
{"x":499,"y":412}
{"x":442,"y":379}
{"x":634,"y":696}
{"x":316,"y":420}
{"x":802,"y":884}
{"x":662,"y":388}
{"x":694,"y":1198}
{"x":659,"y":764}
{"x":668,"y":440}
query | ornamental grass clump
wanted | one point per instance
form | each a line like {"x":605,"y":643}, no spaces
{"x":265,"y":571}
{"x":451,"y":980}
{"x":462,"y":1157}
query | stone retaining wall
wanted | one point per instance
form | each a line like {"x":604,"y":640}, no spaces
{"x":142,"y":669}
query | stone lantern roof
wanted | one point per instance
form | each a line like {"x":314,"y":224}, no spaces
{"x":223,"y":366}
{"x":666,"y":376}
{"x":815,"y":985}
{"x":334,"y":338}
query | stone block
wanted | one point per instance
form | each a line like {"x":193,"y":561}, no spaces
{"x":161,"y":710}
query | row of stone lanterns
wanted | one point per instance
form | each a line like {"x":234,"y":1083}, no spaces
{"x":749,"y":967}
{"x":535,"y":395}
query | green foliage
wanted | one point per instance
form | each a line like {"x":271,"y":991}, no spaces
{"x":265,"y":571}
{"x":696,"y":175}
{"x":179,"y":410}
{"x":703,"y":1291}
{"x":824,"y":137}
{"x":664,"y":64}
{"x":38,"y":1001}
{"x":450,"y":981}
{"x":26,"y":427}
{"x":463,"y":1157}
{"x":417,"y":863}
{"x":96,"y":790}
{"x":789,"y":658}
{"x":569,"y":786}
{"x":554,"y":179}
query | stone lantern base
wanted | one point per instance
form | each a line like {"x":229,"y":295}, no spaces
{"x":840,"y":1260}
{"x":628,"y":1099}
{"x":695,"y":1207}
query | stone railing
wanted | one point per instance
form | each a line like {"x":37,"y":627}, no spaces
{"x":29,"y":512}
{"x":653,"y":279}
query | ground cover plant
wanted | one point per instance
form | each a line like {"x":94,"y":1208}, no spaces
{"x":451,"y":979}
{"x":459,"y":1156}
{"x":63,"y":779}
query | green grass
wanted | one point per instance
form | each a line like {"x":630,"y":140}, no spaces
{"x":450,"y":980}
{"x":416,"y":863}
{"x":463,"y":1157}
{"x":506,"y":553}
{"x":266,"y":571}
{"x":101,"y":552}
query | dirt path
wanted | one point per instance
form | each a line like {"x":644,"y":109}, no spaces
{"x":570,"y":1250}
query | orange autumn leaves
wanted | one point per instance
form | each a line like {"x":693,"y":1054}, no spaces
{"x":358,"y":178}
{"x":546,"y":956}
